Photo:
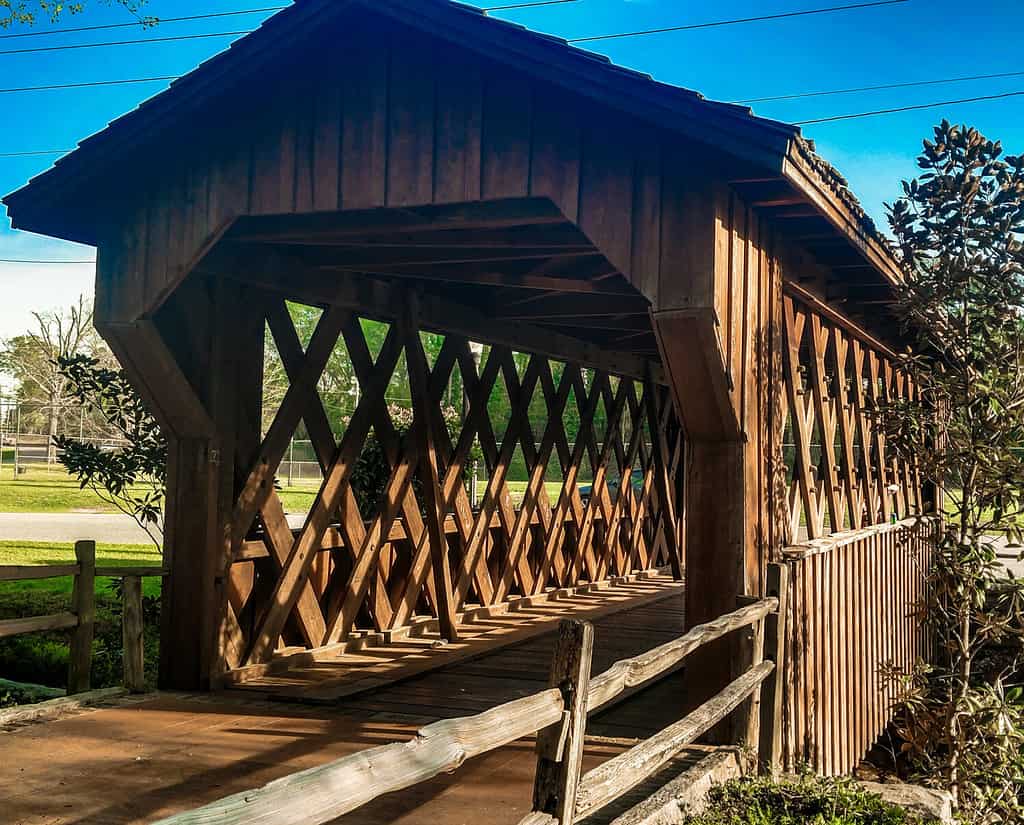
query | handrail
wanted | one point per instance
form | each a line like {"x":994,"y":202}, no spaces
{"x":321,"y":794}
{"x":814,"y":547}
{"x":558,"y":715}
{"x":29,"y":572}
{"x":638,"y":670}
{"x":611,"y":779}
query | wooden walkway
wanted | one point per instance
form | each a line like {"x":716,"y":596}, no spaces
{"x":156,"y":756}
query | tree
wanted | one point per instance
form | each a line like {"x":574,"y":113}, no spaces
{"x":132,"y":477}
{"x":959,"y":227}
{"x":28,"y":12}
{"x":33,"y":359}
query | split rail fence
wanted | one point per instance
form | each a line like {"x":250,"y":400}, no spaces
{"x":81,"y":619}
{"x":558,"y":715}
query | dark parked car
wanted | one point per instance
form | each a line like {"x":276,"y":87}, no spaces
{"x":636,"y":478}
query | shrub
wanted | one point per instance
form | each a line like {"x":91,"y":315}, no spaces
{"x":761,"y":801}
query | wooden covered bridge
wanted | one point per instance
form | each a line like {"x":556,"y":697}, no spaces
{"x":692,"y":277}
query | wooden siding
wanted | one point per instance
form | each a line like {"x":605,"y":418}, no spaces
{"x":402,"y":123}
{"x":852,"y":601}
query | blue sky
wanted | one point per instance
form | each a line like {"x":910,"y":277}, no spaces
{"x":916,"y":40}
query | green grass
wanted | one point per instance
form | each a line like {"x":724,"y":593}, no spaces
{"x":42,"y":658}
{"x":761,"y":801}
{"x":47,"y":491}
{"x":45,"y":552}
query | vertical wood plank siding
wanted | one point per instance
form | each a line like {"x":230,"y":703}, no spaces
{"x":851,"y":600}
{"x":402,"y":126}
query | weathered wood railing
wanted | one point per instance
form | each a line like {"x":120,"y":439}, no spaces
{"x":557,"y":715}
{"x":851,"y":601}
{"x":80,"y":620}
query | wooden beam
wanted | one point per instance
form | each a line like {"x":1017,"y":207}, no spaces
{"x":365,"y":223}
{"x":383,"y":301}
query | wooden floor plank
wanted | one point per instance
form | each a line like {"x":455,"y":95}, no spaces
{"x":338,"y":676}
{"x":170,"y":753}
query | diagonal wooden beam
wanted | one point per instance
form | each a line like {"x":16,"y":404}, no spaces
{"x":520,"y":537}
{"x":434,"y":501}
{"x":669,"y":522}
{"x":297,"y":399}
{"x":334,"y":485}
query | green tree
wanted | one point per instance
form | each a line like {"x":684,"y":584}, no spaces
{"x":959,"y":227}
{"x":133,"y":476}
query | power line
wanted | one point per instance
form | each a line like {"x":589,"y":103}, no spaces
{"x":27,"y":261}
{"x":907,"y":85}
{"x":86,"y":84}
{"x":140,"y":41}
{"x":530,"y":5}
{"x":908,"y":108}
{"x":590,"y":39}
{"x":141,"y":23}
{"x":735,"y":21}
{"x":154,"y":21}
{"x":34,"y":152}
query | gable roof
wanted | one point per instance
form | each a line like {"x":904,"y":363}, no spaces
{"x":731,"y":128}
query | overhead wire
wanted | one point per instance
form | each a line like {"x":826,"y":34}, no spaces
{"x":854,"y":89}
{"x":150,"y":22}
{"x":37,"y":261}
{"x":917,"y":107}
{"x":143,"y":23}
{"x":588,"y":39}
{"x":736,"y":21}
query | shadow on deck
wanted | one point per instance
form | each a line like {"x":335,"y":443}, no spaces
{"x":154,"y":756}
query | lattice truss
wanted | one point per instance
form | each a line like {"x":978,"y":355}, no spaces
{"x":840,"y":474}
{"x":424,"y":550}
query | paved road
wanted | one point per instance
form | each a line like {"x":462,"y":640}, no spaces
{"x":113,"y":528}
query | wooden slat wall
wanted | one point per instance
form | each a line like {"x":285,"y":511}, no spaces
{"x":409,"y":124}
{"x":850,"y":606}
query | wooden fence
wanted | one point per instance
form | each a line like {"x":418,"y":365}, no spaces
{"x":851,"y":602}
{"x":558,"y":715}
{"x":81,"y":619}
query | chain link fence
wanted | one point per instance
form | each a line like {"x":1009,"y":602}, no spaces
{"x":28,"y":430}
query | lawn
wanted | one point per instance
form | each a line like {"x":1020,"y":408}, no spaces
{"x":41,"y":658}
{"x":44,"y":491}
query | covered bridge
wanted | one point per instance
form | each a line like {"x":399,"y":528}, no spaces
{"x":695,"y":277}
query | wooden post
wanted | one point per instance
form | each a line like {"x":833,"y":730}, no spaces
{"x":560,"y":747}
{"x":770,"y":735}
{"x":749,"y":716}
{"x":83,"y":601}
{"x":131,"y":634}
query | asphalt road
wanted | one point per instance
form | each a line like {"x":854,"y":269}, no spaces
{"x":112,"y":528}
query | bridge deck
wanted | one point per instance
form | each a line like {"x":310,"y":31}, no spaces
{"x":150,"y":757}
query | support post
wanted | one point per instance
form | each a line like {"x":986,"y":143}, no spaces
{"x":83,"y":600}
{"x":770,"y":737}
{"x":131,"y":634}
{"x":714,"y":521}
{"x":748,"y":718}
{"x":560,"y":747}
